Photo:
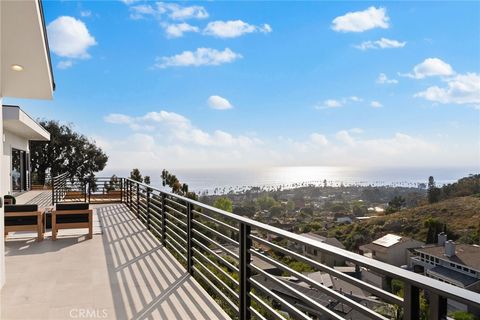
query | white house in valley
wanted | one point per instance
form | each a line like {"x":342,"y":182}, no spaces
{"x":18,"y":130}
{"x":25,"y":72}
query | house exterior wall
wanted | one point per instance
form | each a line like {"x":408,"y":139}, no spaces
{"x":2,"y":219}
{"x":396,"y":255}
{"x":10,"y":141}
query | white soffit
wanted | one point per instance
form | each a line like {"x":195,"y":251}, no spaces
{"x":20,"y":123}
{"x":23,"y":42}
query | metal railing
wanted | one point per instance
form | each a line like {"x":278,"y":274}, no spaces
{"x":217,"y":248}
{"x":225,"y":253}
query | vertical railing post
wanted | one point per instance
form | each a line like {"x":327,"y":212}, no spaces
{"x":138,"y":199}
{"x":189,"y":238}
{"x":164,"y":221}
{"x":121,"y":190}
{"x":127,"y":192}
{"x":148,"y":208}
{"x":437,"y":306}
{"x":89,"y":189}
{"x":245,"y":273}
{"x":85,"y":190}
{"x":411,"y":300}
{"x":53,"y":190}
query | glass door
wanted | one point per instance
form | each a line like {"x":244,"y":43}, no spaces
{"x":19,"y":174}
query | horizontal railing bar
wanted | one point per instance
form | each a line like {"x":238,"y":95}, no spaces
{"x":156,"y":232}
{"x":216,"y":221}
{"x":225,"y":262}
{"x":176,"y":203}
{"x":155,"y":205}
{"x":218,"y":291}
{"x":154,"y":218}
{"x":266,"y":306}
{"x":228,"y":251}
{"x":217,"y":279}
{"x":171,"y":224}
{"x":302,"y":296}
{"x":283,"y":302}
{"x":257,"y":314}
{"x":340,"y":297}
{"x":216,"y":266}
{"x":216,"y":232}
{"x":156,"y":225}
{"x":176,"y":235}
{"x":176,"y":219}
{"x":390,"y":297}
{"x":181,"y":254}
{"x":183,"y":215}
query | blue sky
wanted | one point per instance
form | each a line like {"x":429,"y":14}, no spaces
{"x":268,"y":83}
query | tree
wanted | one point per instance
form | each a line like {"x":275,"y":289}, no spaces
{"x":146,"y":180}
{"x":136,"y":175}
{"x":394,"y":205}
{"x":112,"y":184}
{"x":433,"y":192}
{"x":67,"y":151}
{"x":172,"y":181}
{"x":266,"y":202}
{"x":223,"y":203}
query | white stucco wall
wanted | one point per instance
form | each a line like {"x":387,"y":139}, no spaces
{"x":2,"y":219}
{"x":11,"y":140}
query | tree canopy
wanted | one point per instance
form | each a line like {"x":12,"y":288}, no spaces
{"x":67,"y":151}
{"x":224,"y":203}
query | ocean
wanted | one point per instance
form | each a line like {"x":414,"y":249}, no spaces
{"x":225,"y":180}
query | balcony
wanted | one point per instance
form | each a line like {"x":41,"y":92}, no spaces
{"x":160,"y":255}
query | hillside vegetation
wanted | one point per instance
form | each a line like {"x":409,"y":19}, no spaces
{"x":458,"y":216}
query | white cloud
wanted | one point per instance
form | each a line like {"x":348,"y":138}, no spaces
{"x":345,"y":137}
{"x":233,"y":28}
{"x":178,"y":12}
{"x":70,"y":38}
{"x":383,"y":43}
{"x":141,"y":11}
{"x":199,"y":57}
{"x":65,"y":64}
{"x":177,"y":30}
{"x":219,"y":103}
{"x":360,"y":21}
{"x":173,"y":11}
{"x":430,"y":67}
{"x":319,"y":139}
{"x":376,"y":104}
{"x":128,"y":2}
{"x":329,"y":104}
{"x":177,"y":129}
{"x":337,"y":103}
{"x":356,"y":99}
{"x":461,"y":89}
{"x":383,"y":79}
{"x":118,"y":118}
{"x":85,"y":13}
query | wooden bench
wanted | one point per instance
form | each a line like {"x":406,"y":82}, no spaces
{"x":24,"y":217}
{"x":72,"y":216}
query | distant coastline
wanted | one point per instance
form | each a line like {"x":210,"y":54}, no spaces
{"x":225,"y":180}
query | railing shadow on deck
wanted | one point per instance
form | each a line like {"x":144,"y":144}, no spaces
{"x":146,"y":281}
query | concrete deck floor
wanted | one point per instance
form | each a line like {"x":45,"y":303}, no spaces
{"x":122,"y":274}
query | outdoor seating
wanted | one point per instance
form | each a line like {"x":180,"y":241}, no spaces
{"x":24,"y":217}
{"x":72,"y":216}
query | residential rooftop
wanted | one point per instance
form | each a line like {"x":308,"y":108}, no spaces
{"x":466,"y":254}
